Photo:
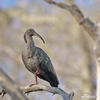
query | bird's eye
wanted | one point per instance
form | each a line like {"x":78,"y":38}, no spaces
{"x":30,"y":30}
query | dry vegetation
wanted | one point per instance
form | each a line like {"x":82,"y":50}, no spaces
{"x":68,"y":45}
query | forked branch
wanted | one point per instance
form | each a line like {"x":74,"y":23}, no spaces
{"x":86,"y":23}
{"x":12,"y":89}
{"x":53,"y":90}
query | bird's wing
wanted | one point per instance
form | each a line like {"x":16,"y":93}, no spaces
{"x":45,"y":63}
{"x":45,"y":60}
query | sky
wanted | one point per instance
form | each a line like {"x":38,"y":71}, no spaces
{"x":8,"y":3}
{"x":11,"y":3}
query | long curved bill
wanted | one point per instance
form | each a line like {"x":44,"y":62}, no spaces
{"x":36,"y":34}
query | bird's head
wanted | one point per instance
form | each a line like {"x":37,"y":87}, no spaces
{"x":31,"y":32}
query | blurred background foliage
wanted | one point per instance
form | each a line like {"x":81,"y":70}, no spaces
{"x":68,"y":45}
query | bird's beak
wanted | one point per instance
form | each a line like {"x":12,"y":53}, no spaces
{"x":36,"y":34}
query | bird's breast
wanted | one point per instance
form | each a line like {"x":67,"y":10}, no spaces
{"x":30,"y":63}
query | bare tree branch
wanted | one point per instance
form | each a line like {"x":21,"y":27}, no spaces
{"x":53,"y":90}
{"x":92,"y":29}
{"x":11,"y":88}
{"x":86,"y":23}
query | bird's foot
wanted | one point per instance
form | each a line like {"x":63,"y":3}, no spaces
{"x":37,"y":72}
{"x":32,"y":84}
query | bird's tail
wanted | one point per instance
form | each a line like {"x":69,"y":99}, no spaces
{"x":54,"y":84}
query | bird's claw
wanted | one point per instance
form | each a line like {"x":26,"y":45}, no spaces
{"x":31,"y":85}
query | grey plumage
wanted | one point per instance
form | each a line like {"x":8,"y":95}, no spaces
{"x":35,"y":58}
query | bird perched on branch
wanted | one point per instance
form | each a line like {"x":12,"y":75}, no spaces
{"x":37,"y":61}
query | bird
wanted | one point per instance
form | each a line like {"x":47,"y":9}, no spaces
{"x":37,"y":61}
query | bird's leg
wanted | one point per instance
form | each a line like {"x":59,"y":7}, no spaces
{"x":36,"y":79}
{"x":35,"y":74}
{"x":37,"y":71}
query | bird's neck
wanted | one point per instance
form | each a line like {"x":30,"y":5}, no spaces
{"x":30,"y":43}
{"x":30,"y":47}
